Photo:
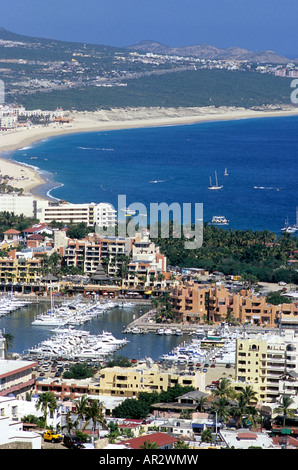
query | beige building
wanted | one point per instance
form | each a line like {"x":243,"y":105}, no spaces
{"x":89,"y":252}
{"x":130,"y":381}
{"x":147,"y":266}
{"x":19,"y":269}
{"x":198,"y":303}
{"x":269,"y":363}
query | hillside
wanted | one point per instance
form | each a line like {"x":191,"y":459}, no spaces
{"x":204,"y":51}
{"x":46,"y":74}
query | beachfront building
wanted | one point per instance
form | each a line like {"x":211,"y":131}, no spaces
{"x":194,"y":303}
{"x":8,"y":118}
{"x":269,"y":363}
{"x":101,"y":214}
{"x":17,"y":204}
{"x":38,"y":229}
{"x":13,"y":436}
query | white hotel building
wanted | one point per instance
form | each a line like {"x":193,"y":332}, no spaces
{"x":101,"y":214}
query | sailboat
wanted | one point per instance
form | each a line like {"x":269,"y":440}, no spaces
{"x":216,"y":186}
{"x":290,"y":228}
{"x":226,"y":172}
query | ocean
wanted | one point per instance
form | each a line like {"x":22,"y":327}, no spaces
{"x":173,"y":164}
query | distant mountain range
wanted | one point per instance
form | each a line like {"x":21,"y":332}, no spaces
{"x":205,"y":51}
{"x":202,"y":51}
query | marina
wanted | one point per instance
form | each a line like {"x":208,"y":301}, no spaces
{"x":75,"y":312}
{"x":75,"y":344}
{"x":10,"y":303}
{"x":114,"y":320}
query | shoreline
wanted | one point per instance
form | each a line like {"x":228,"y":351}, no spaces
{"x":32,"y":179}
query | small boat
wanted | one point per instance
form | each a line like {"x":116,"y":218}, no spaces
{"x":160,"y":331}
{"x":136,"y":330}
{"x":168,"y":331}
{"x":129,"y":212}
{"x":178,"y":332}
{"x":220,"y":220}
{"x":216,"y":186}
{"x":289,"y":228}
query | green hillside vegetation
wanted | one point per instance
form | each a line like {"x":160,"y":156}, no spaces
{"x":257,"y":256}
{"x":175,"y":89}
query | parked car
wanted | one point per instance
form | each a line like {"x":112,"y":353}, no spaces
{"x":51,"y":436}
{"x":72,"y":442}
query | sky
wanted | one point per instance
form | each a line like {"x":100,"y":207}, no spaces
{"x":251,"y":24}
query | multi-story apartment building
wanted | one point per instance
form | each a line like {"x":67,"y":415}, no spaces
{"x":269,"y":363}
{"x":122,"y":382}
{"x":19,"y":269}
{"x":102,"y":214}
{"x":130,"y":381}
{"x":87,"y":253}
{"x":195,"y":302}
{"x":147,"y":266}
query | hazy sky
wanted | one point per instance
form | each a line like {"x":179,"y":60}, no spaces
{"x":251,"y":24}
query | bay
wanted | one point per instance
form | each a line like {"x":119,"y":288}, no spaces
{"x":168,"y":164}
{"x":173,"y":164}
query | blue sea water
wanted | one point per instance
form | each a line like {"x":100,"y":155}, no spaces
{"x":114,"y":320}
{"x":174,"y":163}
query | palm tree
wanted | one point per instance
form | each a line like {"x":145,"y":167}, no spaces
{"x":254,"y":415}
{"x":46,"y":402}
{"x":94,"y":412}
{"x":240,"y":410}
{"x":221,"y":406}
{"x":149,"y":445}
{"x":80,"y":408}
{"x":201,"y":402}
{"x":8,"y":341}
{"x":285,"y":409}
{"x":223,"y":390}
{"x":69,"y":422}
{"x":206,"y":436}
{"x":249,"y":395}
{"x":181,"y":445}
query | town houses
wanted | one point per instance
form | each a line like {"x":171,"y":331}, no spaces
{"x":197,"y":303}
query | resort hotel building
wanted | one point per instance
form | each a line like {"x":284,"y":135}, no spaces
{"x":101,"y":214}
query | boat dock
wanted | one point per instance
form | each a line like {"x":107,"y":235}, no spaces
{"x":146,"y":324}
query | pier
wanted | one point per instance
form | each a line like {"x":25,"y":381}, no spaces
{"x":146,"y":324}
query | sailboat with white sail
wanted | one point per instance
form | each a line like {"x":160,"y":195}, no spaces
{"x":216,"y":186}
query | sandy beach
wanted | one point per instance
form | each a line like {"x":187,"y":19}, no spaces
{"x":28,"y":178}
